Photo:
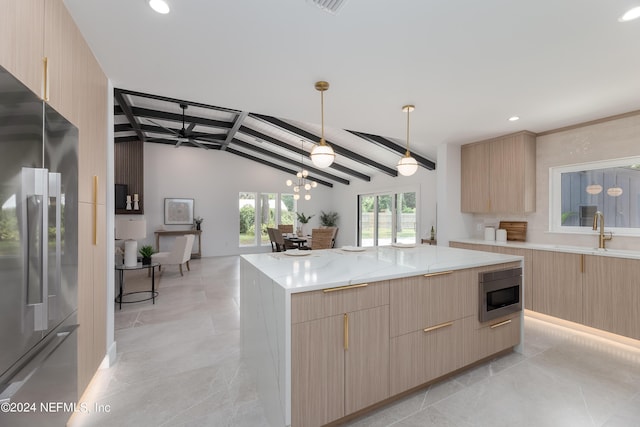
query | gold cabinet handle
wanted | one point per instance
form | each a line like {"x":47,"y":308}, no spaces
{"x":346,"y":331}
{"x":45,"y":76}
{"x":497,"y":325}
{"x":440,"y":273}
{"x":95,"y":210}
{"x":442,"y":325}
{"x":343,"y":288}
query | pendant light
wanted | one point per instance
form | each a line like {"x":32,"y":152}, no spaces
{"x":407,"y":165}
{"x":322,"y":155}
{"x":302,"y":183}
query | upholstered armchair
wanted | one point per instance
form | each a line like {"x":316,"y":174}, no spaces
{"x":180,"y":253}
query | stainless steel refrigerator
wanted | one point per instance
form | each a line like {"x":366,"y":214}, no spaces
{"x":38,"y":259}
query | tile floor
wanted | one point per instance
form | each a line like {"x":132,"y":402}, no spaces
{"x":179,"y":364}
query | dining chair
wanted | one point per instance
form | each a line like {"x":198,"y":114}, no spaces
{"x":321,"y":238}
{"x":180,"y":253}
{"x":277,"y":239}
{"x":272,"y":239}
{"x":285,"y":228}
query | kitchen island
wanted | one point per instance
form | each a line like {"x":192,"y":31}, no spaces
{"x":330,"y":333}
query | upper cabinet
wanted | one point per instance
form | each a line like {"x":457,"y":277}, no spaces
{"x":499,"y":175}
{"x":21,"y":41}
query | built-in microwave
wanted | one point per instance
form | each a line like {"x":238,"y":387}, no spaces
{"x":500,"y":293}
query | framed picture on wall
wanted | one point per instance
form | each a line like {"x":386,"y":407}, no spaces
{"x":178,"y":211}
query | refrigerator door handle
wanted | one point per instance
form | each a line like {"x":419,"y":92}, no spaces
{"x":35,"y":223}
{"x":55,"y":192}
{"x":32,"y":366}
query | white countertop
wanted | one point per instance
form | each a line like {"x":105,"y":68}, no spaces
{"x":321,"y":269}
{"x":617,"y":253}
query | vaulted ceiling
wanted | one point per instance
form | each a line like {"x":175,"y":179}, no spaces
{"x":280,"y":144}
{"x":467,"y":65}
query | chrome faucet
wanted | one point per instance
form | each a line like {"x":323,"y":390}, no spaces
{"x":595,"y":227}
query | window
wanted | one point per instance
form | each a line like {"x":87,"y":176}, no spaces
{"x":387,"y":218}
{"x":611,"y":187}
{"x":273,"y":209}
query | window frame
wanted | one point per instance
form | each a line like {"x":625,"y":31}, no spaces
{"x":555,"y":196}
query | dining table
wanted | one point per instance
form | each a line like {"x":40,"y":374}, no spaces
{"x":298,"y":241}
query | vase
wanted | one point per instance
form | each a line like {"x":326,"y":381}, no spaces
{"x":197,"y":226}
{"x":146,"y":260}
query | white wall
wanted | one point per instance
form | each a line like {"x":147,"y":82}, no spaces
{"x":213,"y":179}
{"x":345,"y":201}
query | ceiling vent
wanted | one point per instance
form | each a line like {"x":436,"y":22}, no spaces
{"x":330,"y":6}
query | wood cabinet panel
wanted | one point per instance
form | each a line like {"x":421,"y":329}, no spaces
{"x":419,"y":357}
{"x":498,"y":175}
{"x":611,"y":295}
{"x":475,"y":178}
{"x":317,"y":371}
{"x":60,"y":42}
{"x":21,"y":41}
{"x":412,"y":300}
{"x":317,"y":304}
{"x":86,"y":360}
{"x":558,"y":285}
{"x":483,"y":340}
{"x":367,"y":358}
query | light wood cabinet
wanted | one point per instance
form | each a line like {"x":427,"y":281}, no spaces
{"x":412,"y":300}
{"x":339,"y":337}
{"x":367,"y":358}
{"x":498,"y":175}
{"x":424,"y":355}
{"x":21,"y":41}
{"x":611,"y":295}
{"x":317,"y":371}
{"x":475,"y":178}
{"x":558,"y":284}
{"x":481,"y":340}
{"x":60,"y":43}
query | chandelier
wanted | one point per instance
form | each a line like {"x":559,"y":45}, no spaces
{"x":322,"y":155}
{"x":407,"y":165}
{"x":302,"y":183}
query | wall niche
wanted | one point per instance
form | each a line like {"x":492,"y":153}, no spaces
{"x":129,"y":177}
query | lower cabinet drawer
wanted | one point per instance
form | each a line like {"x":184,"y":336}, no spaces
{"x":484,"y":339}
{"x":421,"y":356}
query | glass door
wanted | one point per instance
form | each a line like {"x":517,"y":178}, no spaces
{"x":387,"y":218}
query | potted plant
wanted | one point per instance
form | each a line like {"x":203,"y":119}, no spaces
{"x":302,"y":221}
{"x":328,"y":219}
{"x":146,"y":252}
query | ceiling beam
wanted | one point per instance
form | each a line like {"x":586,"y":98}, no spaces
{"x":290,"y":161}
{"x":126,"y":127}
{"x":281,"y":144}
{"x":129,"y":138}
{"x":176,"y":101}
{"x":387,"y":143}
{"x":236,"y":125}
{"x":336,"y":148}
{"x":273,"y":165}
{"x":184,"y":144}
{"x":126,"y":109}
{"x":175,"y":117}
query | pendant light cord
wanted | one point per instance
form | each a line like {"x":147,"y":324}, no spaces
{"x":408,"y":114}
{"x":322,"y":117}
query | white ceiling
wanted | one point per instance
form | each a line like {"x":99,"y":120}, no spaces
{"x":467,"y":65}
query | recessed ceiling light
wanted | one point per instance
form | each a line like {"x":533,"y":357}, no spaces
{"x":159,"y":6}
{"x":514,"y":118}
{"x":630,"y":15}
